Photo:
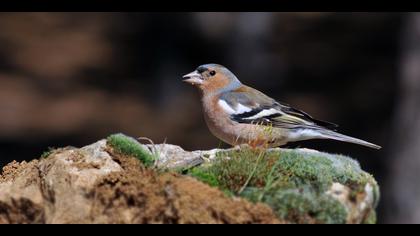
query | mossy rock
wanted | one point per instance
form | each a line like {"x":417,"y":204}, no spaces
{"x":129,"y":146}
{"x":300,"y":185}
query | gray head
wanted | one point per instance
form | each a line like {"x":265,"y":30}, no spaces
{"x":213,"y":78}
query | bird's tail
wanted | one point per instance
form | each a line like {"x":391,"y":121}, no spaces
{"x":329,"y":134}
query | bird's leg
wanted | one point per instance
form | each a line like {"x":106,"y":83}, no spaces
{"x":253,"y":144}
{"x":240,"y":146}
{"x":258,"y":145}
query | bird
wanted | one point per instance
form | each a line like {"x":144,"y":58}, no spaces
{"x":238,"y":114}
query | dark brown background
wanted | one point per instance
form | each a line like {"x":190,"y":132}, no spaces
{"x":74,"y":78}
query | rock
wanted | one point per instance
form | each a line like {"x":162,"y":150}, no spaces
{"x":300,"y":185}
{"x":97,"y":184}
{"x":174,"y":157}
{"x":21,"y":199}
{"x":119,"y":180}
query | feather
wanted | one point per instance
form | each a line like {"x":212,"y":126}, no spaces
{"x":247,"y":105}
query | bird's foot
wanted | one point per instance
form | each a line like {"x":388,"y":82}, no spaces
{"x":240,"y":146}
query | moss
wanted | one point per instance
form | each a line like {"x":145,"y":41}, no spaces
{"x":204,"y":176}
{"x":234,"y":172}
{"x":300,"y":205}
{"x":286,"y":168}
{"x":376,"y":194}
{"x":129,"y":146}
{"x":208,"y":177}
{"x":371,"y":218}
{"x":47,"y":153}
{"x":291,"y":182}
{"x":306,"y":206}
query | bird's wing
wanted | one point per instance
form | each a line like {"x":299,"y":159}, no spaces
{"x":247,"y":105}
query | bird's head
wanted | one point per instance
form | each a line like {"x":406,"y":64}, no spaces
{"x":212,"y":78}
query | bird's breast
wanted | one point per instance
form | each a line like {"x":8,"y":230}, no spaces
{"x":218,"y":121}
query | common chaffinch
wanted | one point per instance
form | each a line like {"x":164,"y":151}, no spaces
{"x":238,"y":114}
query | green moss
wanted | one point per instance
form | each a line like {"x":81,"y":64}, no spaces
{"x":287,"y":168}
{"x":291,"y":182}
{"x":234,"y":172}
{"x":376,"y":194}
{"x":300,"y":205}
{"x":130,"y":147}
{"x":205,"y":176}
{"x":48,"y":152}
{"x":208,"y":177}
{"x":306,"y":206}
{"x":371,"y":218}
{"x":320,"y":169}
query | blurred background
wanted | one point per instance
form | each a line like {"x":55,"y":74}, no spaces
{"x":74,"y":78}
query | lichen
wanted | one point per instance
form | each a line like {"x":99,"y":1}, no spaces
{"x":130,"y":147}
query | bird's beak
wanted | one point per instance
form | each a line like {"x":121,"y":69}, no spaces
{"x":193,"y":78}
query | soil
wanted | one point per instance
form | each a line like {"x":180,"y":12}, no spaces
{"x":133,"y":195}
{"x":139,"y":195}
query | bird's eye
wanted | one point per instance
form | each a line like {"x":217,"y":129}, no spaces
{"x":212,"y":73}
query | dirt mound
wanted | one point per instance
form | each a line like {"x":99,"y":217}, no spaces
{"x":23,"y":178}
{"x":96,"y":185}
{"x":139,"y":195}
